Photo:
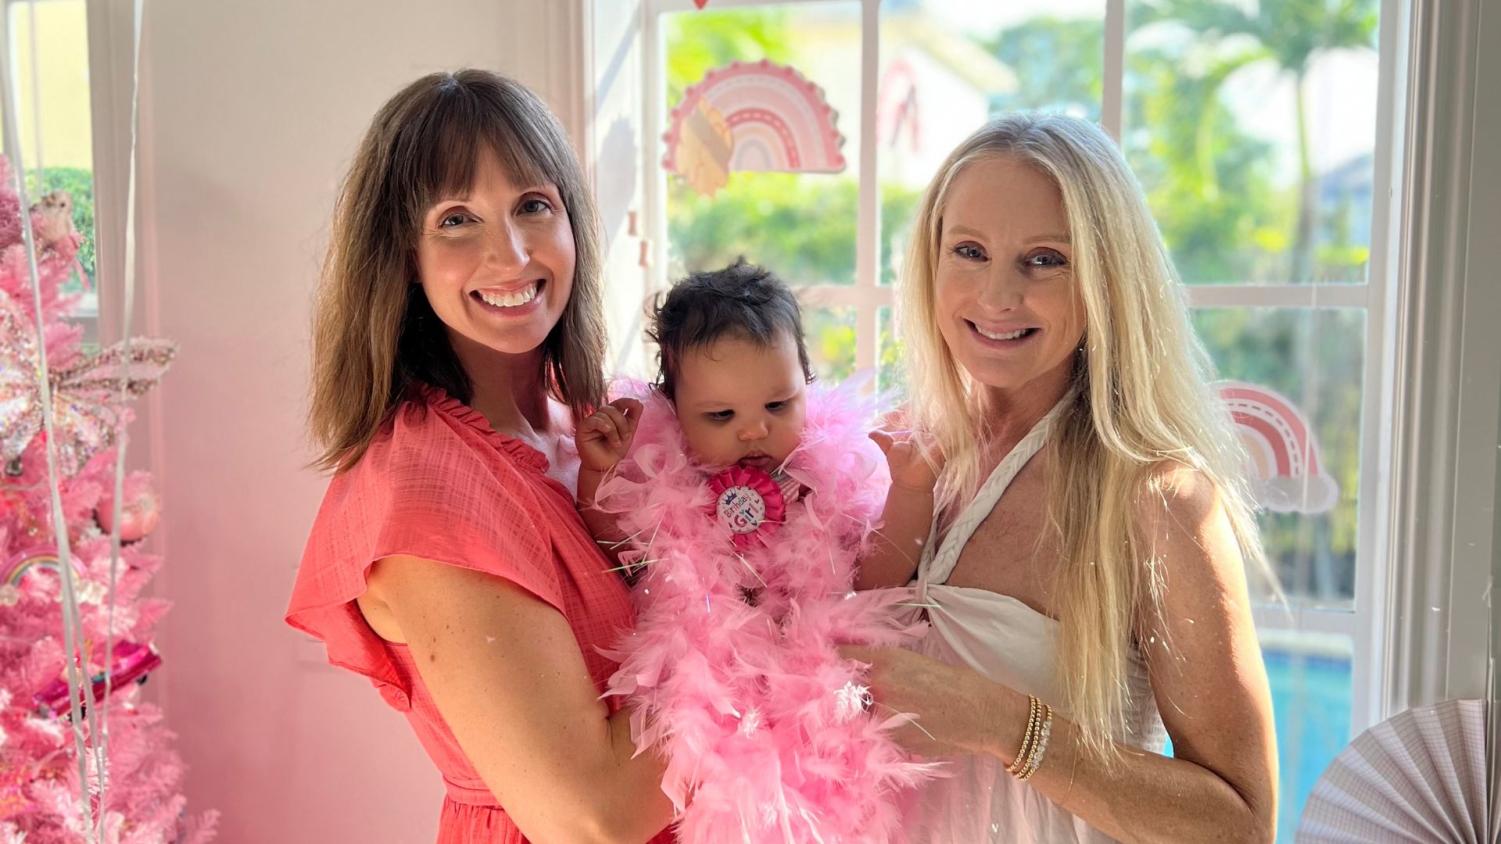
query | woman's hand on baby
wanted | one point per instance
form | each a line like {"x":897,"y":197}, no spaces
{"x":604,"y":438}
{"x":913,"y":457}
{"x":934,"y":695}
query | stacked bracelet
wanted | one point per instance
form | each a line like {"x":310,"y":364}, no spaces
{"x":1040,"y":747}
{"x":1034,"y":720}
{"x":1034,"y":741}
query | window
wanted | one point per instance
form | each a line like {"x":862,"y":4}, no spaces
{"x":1254,"y":131}
{"x":47,"y":41}
{"x":804,"y":225}
{"x":1259,"y":135}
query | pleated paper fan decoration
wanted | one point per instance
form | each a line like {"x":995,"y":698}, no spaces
{"x":757,"y":116}
{"x":1419,"y":776}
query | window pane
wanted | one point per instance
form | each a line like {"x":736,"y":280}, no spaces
{"x":801,"y":225}
{"x":1311,"y":699}
{"x":1315,"y":360}
{"x":947,"y":66}
{"x":891,"y":373}
{"x":899,"y":203}
{"x":1253,"y":135}
{"x":49,"y":51}
{"x":830,"y":334}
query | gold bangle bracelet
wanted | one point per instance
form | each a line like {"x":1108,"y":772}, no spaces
{"x":1040,"y":747}
{"x":1034,"y":721}
{"x":1021,"y":753}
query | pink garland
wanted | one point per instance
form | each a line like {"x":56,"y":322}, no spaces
{"x":732,"y":672}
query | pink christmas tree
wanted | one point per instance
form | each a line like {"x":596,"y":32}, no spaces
{"x":132,"y":794}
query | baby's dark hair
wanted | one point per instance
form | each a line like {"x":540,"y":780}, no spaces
{"x":741,"y":300}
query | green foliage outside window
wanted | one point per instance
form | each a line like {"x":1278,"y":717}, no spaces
{"x":1212,"y":185}
{"x":79,"y":183}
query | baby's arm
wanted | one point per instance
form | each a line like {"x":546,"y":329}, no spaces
{"x":603,"y":440}
{"x":908,"y":516}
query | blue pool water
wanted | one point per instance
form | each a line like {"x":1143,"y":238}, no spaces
{"x":1311,"y":699}
{"x":1311,"y":703}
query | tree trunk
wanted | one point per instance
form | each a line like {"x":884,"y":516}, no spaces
{"x":1302,"y":264}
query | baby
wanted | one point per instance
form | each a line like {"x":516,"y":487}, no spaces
{"x":744,"y":500}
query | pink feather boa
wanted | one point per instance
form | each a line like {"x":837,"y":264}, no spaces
{"x":760,"y":719}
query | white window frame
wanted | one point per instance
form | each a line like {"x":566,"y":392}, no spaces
{"x":1444,"y":531}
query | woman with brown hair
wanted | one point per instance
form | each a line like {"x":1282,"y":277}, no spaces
{"x":458,"y":337}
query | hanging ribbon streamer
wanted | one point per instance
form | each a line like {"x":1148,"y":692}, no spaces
{"x":127,"y":309}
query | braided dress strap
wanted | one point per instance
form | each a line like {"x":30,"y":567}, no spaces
{"x":937,"y":565}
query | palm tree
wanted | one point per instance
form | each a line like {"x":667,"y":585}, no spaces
{"x":1291,"y":33}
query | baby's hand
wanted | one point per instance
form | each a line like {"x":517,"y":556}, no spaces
{"x":604,"y":438}
{"x":913,"y":456}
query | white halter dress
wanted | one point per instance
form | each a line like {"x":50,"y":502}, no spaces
{"x":1012,"y":644}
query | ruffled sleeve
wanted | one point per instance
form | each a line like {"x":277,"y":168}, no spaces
{"x":437,"y":484}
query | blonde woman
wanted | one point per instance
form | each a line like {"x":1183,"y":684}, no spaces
{"x":1086,"y":579}
{"x":459,"y":337}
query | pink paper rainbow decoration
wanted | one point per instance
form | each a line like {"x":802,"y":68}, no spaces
{"x":778,"y":119}
{"x":1287,"y":475}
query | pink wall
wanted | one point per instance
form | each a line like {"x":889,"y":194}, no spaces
{"x":250,"y":113}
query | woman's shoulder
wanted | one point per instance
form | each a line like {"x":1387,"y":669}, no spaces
{"x":431,"y":487}
{"x":1178,"y":491}
{"x":1184,"y":513}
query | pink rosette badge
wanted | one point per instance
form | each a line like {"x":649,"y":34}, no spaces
{"x":748,"y":501}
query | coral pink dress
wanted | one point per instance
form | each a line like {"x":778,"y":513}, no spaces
{"x":440,"y":484}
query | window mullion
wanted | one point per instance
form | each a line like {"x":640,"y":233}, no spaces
{"x":672,"y":6}
{"x":868,"y":235}
{"x":1112,"y":101}
{"x":654,"y":107}
{"x":844,"y":296}
{"x":1279,"y":295}
{"x":1373,"y":559}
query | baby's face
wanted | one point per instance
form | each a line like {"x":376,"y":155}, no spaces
{"x":739,"y":401}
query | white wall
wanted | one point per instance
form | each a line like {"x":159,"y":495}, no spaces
{"x":250,"y":113}
{"x":1445,"y":459}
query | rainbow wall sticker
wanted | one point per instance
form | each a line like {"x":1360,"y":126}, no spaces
{"x":1287,"y":475}
{"x":760,"y":116}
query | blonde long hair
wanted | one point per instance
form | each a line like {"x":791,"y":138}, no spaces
{"x":374,"y":334}
{"x":1141,"y":401}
